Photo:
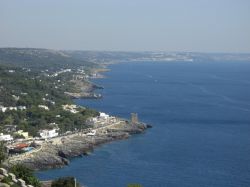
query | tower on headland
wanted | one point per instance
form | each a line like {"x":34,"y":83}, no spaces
{"x":134,"y":118}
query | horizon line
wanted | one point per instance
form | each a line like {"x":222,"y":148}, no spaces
{"x":127,"y":51}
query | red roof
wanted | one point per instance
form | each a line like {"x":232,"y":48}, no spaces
{"x":21,"y":145}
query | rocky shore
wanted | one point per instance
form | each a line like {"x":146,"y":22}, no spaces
{"x":57,"y":153}
{"x":86,"y":90}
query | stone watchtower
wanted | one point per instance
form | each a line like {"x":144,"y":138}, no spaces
{"x":134,"y":118}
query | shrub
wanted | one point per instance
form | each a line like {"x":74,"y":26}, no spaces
{"x":26,"y":174}
{"x":65,"y":182}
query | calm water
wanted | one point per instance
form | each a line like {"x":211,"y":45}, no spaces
{"x":201,"y":135}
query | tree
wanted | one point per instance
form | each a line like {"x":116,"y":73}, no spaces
{"x":9,"y":120}
{"x":65,"y":182}
{"x":26,"y":174}
{"x":2,"y":152}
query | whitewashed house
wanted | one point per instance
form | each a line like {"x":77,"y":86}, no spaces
{"x":48,"y":133}
{"x":104,"y":116}
{"x":3,"y":109}
{"x":13,"y":108}
{"x":44,"y":107}
{"x":5,"y":137}
{"x":21,"y":107}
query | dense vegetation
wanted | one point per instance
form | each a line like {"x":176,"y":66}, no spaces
{"x":2,"y":152}
{"x":21,"y":86}
{"x":65,"y":182}
{"x":39,"y":59}
{"x":25,"y":174}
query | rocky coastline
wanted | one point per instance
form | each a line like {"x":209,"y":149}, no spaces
{"x":86,"y":90}
{"x":57,"y":153}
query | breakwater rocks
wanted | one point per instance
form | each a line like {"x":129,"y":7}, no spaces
{"x":57,"y":153}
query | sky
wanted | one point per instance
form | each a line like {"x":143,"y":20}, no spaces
{"x":127,"y":25}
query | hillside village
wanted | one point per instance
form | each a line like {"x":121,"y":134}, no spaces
{"x":20,"y":142}
{"x":33,"y":103}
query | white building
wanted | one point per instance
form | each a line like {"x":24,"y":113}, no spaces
{"x":5,"y":137}
{"x":12,"y":108}
{"x":22,"y":107}
{"x":3,"y":109}
{"x":91,"y":133}
{"x":48,"y":133}
{"x":102,"y":119}
{"x":104,"y":116}
{"x":44,"y":107}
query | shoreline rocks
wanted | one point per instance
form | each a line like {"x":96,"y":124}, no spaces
{"x":58,"y":155}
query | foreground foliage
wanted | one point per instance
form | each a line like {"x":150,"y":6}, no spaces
{"x":26,"y":174}
{"x":65,"y":182}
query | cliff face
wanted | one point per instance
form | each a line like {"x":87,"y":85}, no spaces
{"x":57,"y":154}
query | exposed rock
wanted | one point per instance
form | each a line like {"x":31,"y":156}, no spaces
{"x":56,"y":156}
{"x":149,"y":126}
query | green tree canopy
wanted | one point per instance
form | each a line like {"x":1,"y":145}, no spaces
{"x":2,"y":152}
{"x":26,"y":174}
{"x":65,"y":182}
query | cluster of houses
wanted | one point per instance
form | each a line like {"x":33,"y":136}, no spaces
{"x":4,"y":109}
{"x":15,"y":108}
{"x":44,"y":134}
{"x":8,"y":137}
{"x":59,"y":72}
{"x":95,"y":122}
{"x":26,"y":143}
{"x":22,"y":143}
{"x":101,"y":120}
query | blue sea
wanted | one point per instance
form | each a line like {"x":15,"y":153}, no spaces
{"x":200,"y":114}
